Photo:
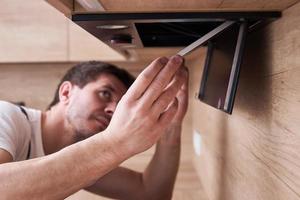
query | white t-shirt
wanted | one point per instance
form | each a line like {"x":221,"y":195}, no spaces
{"x":16,"y":131}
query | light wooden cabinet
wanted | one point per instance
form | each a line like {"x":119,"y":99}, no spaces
{"x":31,"y":32}
{"x":34,"y":31}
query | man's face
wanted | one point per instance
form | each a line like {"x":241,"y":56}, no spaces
{"x":91,"y":107}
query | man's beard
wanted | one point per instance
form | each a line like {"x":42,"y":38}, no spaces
{"x":80,"y":129}
{"x":82,"y":134}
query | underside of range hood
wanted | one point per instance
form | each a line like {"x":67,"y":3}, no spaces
{"x":139,"y":30}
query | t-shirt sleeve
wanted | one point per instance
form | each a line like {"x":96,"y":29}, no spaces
{"x":12,"y":124}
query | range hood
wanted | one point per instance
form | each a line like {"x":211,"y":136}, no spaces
{"x":157,"y":29}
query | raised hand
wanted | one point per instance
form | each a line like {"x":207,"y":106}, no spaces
{"x":150,"y":104}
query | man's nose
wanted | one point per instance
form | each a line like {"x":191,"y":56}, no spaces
{"x":110,"y":108}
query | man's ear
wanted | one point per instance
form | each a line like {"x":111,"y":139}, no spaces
{"x":65,"y":91}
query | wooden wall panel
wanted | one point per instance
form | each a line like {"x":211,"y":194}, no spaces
{"x":257,"y":4}
{"x":255,"y":152}
{"x":31,"y":31}
{"x":34,"y":31}
{"x":155,"y":5}
{"x":64,"y":6}
{"x":33,"y":84}
{"x":139,"y":5}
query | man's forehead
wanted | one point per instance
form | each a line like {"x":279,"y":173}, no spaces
{"x":110,"y":81}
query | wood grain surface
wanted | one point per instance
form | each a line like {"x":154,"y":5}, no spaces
{"x":69,"y":6}
{"x":178,"y":5}
{"x":255,"y":152}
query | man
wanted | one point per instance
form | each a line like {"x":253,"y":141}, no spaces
{"x":92,"y":126}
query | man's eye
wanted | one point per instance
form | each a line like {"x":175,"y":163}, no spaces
{"x":105,"y":95}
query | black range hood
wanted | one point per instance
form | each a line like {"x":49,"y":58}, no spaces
{"x":139,"y":30}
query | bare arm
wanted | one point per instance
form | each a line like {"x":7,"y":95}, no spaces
{"x":142,"y":115}
{"x":58,"y":175}
{"x":160,"y":175}
{"x":157,"y":181}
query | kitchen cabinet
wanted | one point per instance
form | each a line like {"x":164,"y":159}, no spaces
{"x":34,"y":31}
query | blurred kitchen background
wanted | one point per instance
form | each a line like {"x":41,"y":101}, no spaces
{"x":251,"y":154}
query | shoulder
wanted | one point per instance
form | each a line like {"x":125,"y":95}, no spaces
{"x":14,"y":128}
{"x":14,"y":112}
{"x":9,"y":110}
{"x":6,"y":106}
{"x":12,"y":116}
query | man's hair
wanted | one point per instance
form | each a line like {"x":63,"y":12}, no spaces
{"x":86,"y":72}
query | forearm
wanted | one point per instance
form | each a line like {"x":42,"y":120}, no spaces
{"x":160,"y":175}
{"x":58,"y":175}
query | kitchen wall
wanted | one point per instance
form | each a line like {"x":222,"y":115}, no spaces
{"x":35,"y":83}
{"x":255,"y":152}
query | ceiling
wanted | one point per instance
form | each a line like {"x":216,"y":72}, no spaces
{"x":186,"y":5}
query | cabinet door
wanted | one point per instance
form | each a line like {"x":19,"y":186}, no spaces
{"x":32,"y":31}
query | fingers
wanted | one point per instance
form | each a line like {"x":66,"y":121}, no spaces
{"x":183,"y":93}
{"x":186,"y":84}
{"x":161,"y":81}
{"x":168,"y":115}
{"x":161,"y":103}
{"x":145,"y":78}
{"x":182,"y":97}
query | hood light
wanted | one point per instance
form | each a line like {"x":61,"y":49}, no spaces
{"x":112,"y":27}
